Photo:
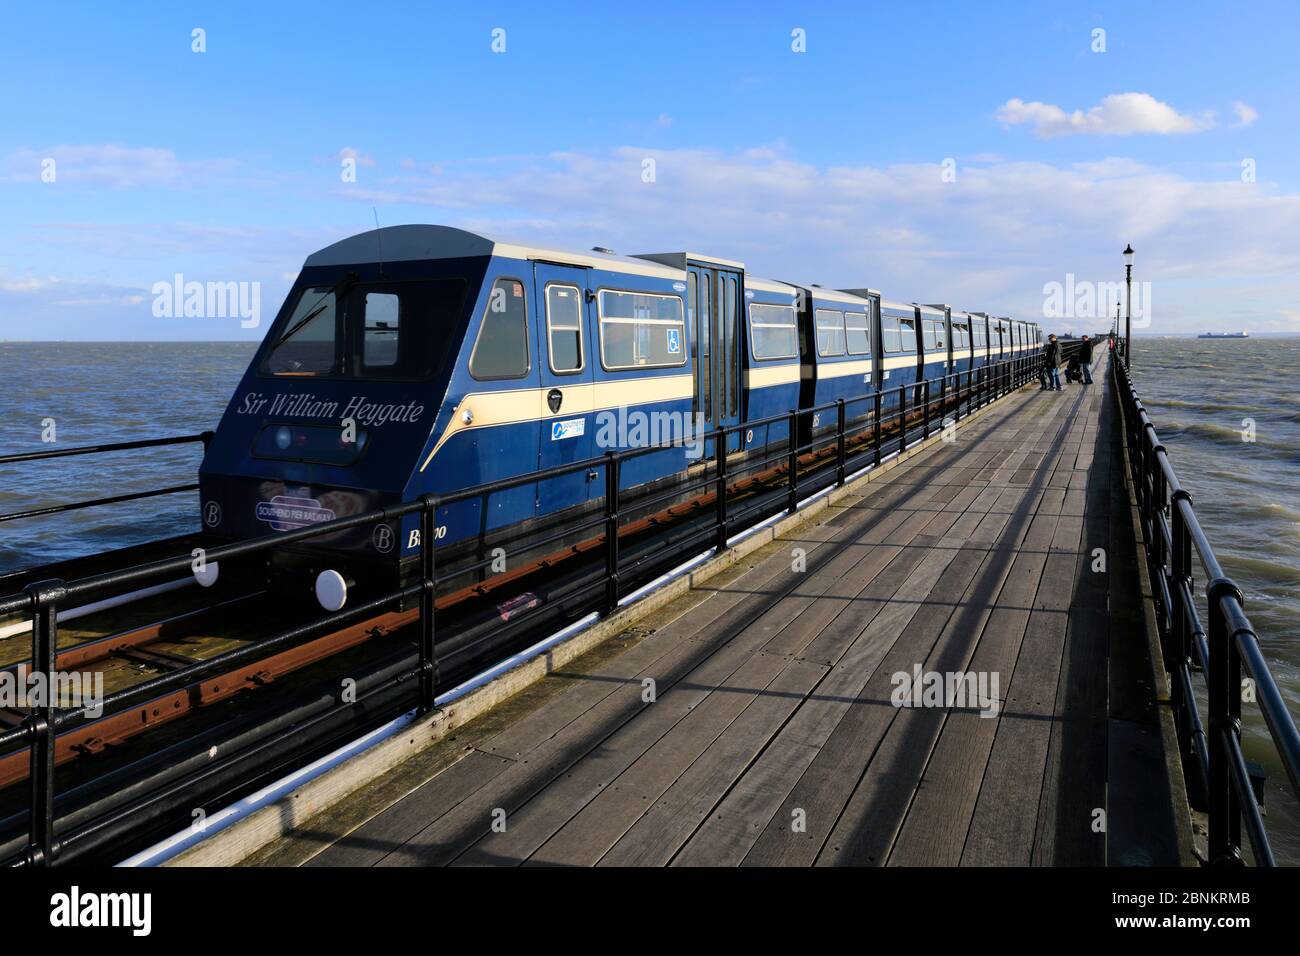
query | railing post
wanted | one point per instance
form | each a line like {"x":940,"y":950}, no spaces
{"x":611,"y":529}
{"x":925,"y":415}
{"x":902,"y":419}
{"x":46,"y":597}
{"x":877,"y":429}
{"x":793,"y":463}
{"x":428,"y":597}
{"x":721,"y":503}
{"x":1225,"y":721}
{"x":841,"y":452}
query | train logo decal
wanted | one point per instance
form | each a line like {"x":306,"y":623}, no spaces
{"x":569,"y":428}
{"x":284,"y":512}
{"x":212,"y":514}
{"x":383,"y":538}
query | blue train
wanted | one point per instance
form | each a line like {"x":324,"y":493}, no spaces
{"x":424,"y":359}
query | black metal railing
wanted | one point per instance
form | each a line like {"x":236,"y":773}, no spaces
{"x":1174,"y":542}
{"x":890,"y":422}
{"x":203,"y":437}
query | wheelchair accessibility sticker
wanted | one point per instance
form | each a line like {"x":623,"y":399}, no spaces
{"x":570,"y":428}
{"x":674,"y":341}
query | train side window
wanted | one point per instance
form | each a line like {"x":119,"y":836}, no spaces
{"x":641,"y":330}
{"x":933,"y":332}
{"x":907,"y":334}
{"x":858,"y":333}
{"x":564,"y":328}
{"x":889,"y":334}
{"x":382,"y":319}
{"x":773,"y":332}
{"x":501,"y":350}
{"x":830,"y":333}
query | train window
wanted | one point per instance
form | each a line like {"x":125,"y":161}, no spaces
{"x":858,"y":333}
{"x":641,"y":330}
{"x":501,"y":350}
{"x":889,"y":334}
{"x":564,"y":327}
{"x":980,"y":338}
{"x":830,"y":333}
{"x":382,"y":319}
{"x":773,"y":333}
{"x":932,"y":334}
{"x":309,"y":343}
{"x":960,"y":336}
{"x":907,"y":334}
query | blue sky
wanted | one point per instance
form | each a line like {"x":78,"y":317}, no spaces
{"x":820,"y":166}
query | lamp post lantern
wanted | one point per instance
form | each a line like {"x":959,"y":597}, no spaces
{"x":1128,"y":300}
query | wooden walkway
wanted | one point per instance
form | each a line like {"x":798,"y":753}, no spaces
{"x":772,"y":737}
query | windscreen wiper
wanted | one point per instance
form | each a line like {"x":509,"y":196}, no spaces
{"x":338,"y":290}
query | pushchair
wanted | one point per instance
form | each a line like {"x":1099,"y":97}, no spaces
{"x":1072,"y":371}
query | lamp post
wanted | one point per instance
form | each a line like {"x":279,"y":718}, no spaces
{"x":1128,"y":306}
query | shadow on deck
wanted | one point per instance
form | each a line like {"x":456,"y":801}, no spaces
{"x":757,"y":724}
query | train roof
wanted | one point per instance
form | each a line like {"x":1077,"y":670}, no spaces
{"x":834,"y":295}
{"x":933,"y":310}
{"x":863,"y":292}
{"x":416,"y":242}
{"x":677,"y":260}
{"x":902,"y":306}
{"x":769,"y":285}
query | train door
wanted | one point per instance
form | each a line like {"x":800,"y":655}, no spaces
{"x":714,"y":302}
{"x":566,"y":358}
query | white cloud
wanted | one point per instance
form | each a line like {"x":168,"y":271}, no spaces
{"x":1245,"y":114}
{"x":109,"y":164}
{"x":990,"y":240}
{"x":351,"y":152}
{"x":1120,"y":114}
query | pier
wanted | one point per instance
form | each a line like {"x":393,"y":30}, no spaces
{"x":756,"y":719}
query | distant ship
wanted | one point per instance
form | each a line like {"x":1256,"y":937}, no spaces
{"x":1224,"y":335}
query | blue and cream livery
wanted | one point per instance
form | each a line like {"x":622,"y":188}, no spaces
{"x":426,"y":359}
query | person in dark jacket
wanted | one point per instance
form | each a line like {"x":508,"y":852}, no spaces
{"x":1085,"y":360}
{"x":1052,"y":358}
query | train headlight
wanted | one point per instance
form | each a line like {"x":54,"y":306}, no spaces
{"x":331,"y":590}
{"x":207,"y":574}
{"x":283,"y":438}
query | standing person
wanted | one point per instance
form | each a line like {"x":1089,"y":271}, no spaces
{"x":1052,"y":358}
{"x":1085,"y":360}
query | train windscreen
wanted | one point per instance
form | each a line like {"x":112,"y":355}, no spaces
{"x":355,"y":329}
